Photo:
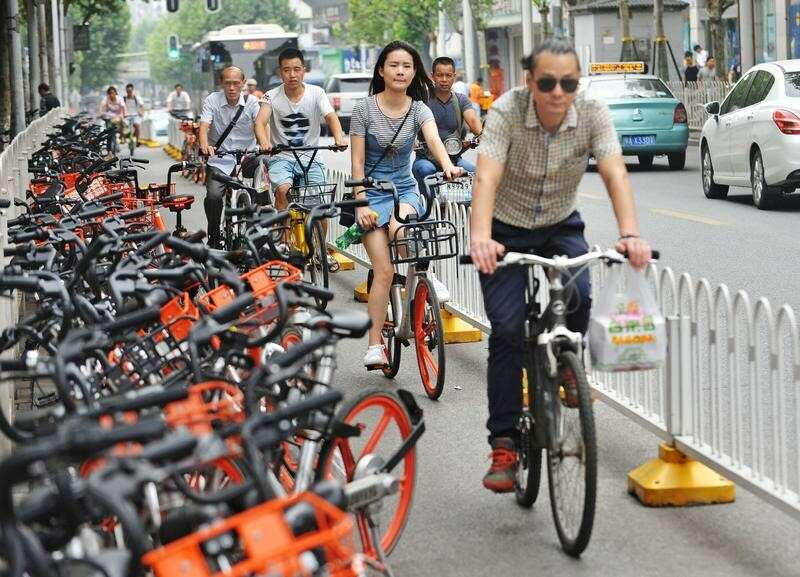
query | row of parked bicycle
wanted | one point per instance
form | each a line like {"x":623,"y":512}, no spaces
{"x":185,"y":416}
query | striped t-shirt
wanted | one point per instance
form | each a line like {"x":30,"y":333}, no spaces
{"x":367,"y":115}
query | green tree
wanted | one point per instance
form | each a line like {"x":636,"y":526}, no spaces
{"x":109,"y":36}
{"x":192,"y":22}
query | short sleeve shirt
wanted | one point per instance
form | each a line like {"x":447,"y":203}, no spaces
{"x":445,"y":113}
{"x":297,"y":123}
{"x":218,"y":113}
{"x":179,"y":102}
{"x":540,"y":180}
{"x":368,"y":117}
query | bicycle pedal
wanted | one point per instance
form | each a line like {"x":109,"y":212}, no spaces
{"x":406,"y":343}
{"x":376,"y":367}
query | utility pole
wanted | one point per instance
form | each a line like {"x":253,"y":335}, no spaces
{"x":469,"y":41}
{"x":661,"y":67}
{"x":62,"y":26}
{"x":15,"y":57}
{"x":56,"y":37}
{"x":441,"y":35}
{"x":527,"y":27}
{"x":41,"y":9}
{"x":628,"y":47}
{"x":34,"y":76}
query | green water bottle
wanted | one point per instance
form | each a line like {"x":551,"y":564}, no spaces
{"x":351,"y":235}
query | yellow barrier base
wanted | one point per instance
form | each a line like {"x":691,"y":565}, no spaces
{"x":361,"y":294}
{"x":673,"y":479}
{"x":173,"y":152}
{"x":457,"y":330}
{"x":149,"y":143}
{"x":344,"y":262}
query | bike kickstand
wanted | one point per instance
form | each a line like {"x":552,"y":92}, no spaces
{"x":376,"y":540}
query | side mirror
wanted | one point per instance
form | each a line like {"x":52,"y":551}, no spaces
{"x":712,"y":107}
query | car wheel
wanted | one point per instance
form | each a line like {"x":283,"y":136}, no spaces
{"x":764,"y":196}
{"x":677,"y":160}
{"x":710,"y":188}
{"x":645,"y":160}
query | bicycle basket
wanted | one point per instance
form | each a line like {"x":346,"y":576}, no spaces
{"x":424,"y":241}
{"x":262,"y":282}
{"x":260,"y":541}
{"x":458,"y":190}
{"x":207,"y":403}
{"x":312,"y":194}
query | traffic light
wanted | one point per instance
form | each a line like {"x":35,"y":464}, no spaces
{"x":174,"y":49}
{"x":172,"y":5}
{"x":213,"y":5}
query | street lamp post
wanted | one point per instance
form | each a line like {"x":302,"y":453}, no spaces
{"x":527,"y":27}
{"x":469,"y":41}
{"x":17,"y":87}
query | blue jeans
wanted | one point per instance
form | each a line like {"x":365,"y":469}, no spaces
{"x":504,"y":300}
{"x":423,"y":167}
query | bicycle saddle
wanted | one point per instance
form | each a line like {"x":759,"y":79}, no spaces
{"x":177,"y":202}
{"x":346,"y":324}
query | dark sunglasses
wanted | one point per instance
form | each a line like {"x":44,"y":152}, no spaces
{"x":548,"y":84}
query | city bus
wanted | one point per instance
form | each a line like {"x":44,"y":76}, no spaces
{"x":252,"y":47}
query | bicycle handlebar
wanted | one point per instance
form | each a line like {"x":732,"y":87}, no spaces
{"x":388,"y":186}
{"x":559,"y":262}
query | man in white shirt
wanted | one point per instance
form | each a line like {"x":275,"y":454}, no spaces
{"x":459,"y":86}
{"x":179,"y":101}
{"x":219,"y":110}
{"x":700,"y":56}
{"x":294,"y":111}
{"x":135,"y":109}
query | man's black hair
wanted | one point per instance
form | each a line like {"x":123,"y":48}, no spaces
{"x":697,"y":47}
{"x":289,"y":53}
{"x":44,"y":87}
{"x":444,"y":61}
{"x":179,"y":84}
{"x":129,"y":85}
{"x":556,"y":46}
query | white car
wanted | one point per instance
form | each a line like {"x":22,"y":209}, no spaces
{"x":753,"y":137}
{"x":344,"y":90}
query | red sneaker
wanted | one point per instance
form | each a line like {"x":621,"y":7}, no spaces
{"x":502,"y":475}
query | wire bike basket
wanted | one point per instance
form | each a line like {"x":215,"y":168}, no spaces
{"x":426,"y":240}
{"x":310,"y":195}
{"x":260,"y":541}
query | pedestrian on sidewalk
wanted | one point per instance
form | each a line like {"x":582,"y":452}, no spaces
{"x":47,"y":100}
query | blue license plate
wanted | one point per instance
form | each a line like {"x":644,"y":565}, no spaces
{"x":639,"y":140}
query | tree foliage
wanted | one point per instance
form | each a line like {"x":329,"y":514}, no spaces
{"x":192,"y":22}
{"x":109,"y":36}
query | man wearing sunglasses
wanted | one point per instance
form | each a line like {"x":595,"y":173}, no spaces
{"x":533,"y":153}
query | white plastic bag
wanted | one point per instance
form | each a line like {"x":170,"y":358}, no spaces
{"x":627,"y":331}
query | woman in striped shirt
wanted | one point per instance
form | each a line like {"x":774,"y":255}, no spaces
{"x":382,"y":134}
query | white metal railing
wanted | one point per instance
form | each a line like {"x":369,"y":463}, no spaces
{"x":695,"y":95}
{"x":14,"y":180}
{"x":729,"y":393}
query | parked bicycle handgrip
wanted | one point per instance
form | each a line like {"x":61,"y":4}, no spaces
{"x":93,"y":439}
{"x":18,"y":282}
{"x":232,"y":310}
{"x":132,"y":320}
{"x":135,"y":213}
{"x":140,"y":160}
{"x":14,"y":365}
{"x":195,"y":251}
{"x":92,"y":212}
{"x":110,"y":197}
{"x":20,"y":220}
{"x":301,"y":407}
{"x":138,"y":400}
{"x":311,"y":290}
{"x":38,"y":234}
{"x":5,"y":202}
{"x":195,"y":237}
{"x":298,"y":351}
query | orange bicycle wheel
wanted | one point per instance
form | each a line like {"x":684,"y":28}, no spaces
{"x":428,"y":339}
{"x":385,"y":424}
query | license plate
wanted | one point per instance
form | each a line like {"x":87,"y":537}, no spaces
{"x":639,"y":140}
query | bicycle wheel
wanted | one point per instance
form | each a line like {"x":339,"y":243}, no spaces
{"x":391,"y":342}
{"x":385,"y":424}
{"x":131,"y":143}
{"x":529,"y":472}
{"x":242,"y":199}
{"x":572,"y":467}
{"x":317,"y":265}
{"x":428,"y":338}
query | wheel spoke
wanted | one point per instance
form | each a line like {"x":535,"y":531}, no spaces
{"x":430,"y":362}
{"x":376,"y":434}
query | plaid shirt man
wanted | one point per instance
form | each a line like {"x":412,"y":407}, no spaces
{"x":542,"y":171}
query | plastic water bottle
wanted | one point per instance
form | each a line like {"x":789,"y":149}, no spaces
{"x":351,"y":235}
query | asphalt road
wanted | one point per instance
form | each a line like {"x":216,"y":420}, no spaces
{"x":459,"y":529}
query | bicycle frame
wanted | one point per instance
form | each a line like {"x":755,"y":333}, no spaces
{"x":402,"y":323}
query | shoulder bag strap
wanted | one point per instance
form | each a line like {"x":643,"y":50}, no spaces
{"x":391,"y":142}
{"x":459,"y":114}
{"x":230,"y":126}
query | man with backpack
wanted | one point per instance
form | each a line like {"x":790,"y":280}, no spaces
{"x":451,"y":110}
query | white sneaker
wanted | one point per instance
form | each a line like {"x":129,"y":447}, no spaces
{"x":442,"y":293}
{"x":375,"y":357}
